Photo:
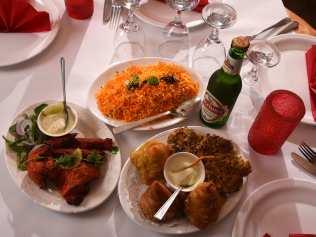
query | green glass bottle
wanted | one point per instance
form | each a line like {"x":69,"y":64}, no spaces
{"x":224,"y":86}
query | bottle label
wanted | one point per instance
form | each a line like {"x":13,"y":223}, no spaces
{"x":212,"y":109}
{"x":232,"y":66}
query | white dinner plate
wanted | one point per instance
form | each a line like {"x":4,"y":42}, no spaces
{"x":19,"y":47}
{"x":159,"y":14}
{"x":110,"y":72}
{"x":88,"y":126}
{"x":278,"y":208}
{"x":130,"y":189}
{"x":290,"y":73}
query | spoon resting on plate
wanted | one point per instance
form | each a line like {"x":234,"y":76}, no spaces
{"x":165,"y":207}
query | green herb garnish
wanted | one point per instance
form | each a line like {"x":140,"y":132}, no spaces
{"x":41,"y":157}
{"x":22,"y":160}
{"x":21,"y":149}
{"x":95,"y":159}
{"x":66,"y":161}
{"x":69,"y":161}
{"x":153,"y":80}
{"x":34,"y":133}
{"x":12,"y":130}
{"x":133,"y":83}
{"x":114,"y":150}
{"x":39,"y":109}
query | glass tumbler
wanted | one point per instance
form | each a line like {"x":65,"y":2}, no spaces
{"x":79,"y":9}
{"x":280,"y":113}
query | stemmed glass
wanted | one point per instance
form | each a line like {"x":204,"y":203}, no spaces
{"x":129,"y":39}
{"x":210,"y":53}
{"x":260,"y":53}
{"x":176,"y":34}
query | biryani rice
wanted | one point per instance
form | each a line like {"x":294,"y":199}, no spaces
{"x":117,"y":102}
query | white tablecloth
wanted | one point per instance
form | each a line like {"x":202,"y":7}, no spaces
{"x":87,"y":47}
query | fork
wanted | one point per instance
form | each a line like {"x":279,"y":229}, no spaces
{"x":115,"y":14}
{"x":307,"y":152}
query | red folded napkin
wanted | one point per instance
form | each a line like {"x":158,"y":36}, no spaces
{"x":311,"y":74}
{"x":21,"y":16}
{"x":202,"y":4}
{"x":302,"y":235}
{"x":199,"y":7}
{"x":294,"y":235}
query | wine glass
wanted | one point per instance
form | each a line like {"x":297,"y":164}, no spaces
{"x":176,"y":40}
{"x":129,"y":39}
{"x":260,"y":53}
{"x":210,"y":53}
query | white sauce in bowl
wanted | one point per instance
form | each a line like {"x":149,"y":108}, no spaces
{"x":188,"y":178}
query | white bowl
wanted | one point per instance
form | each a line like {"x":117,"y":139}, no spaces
{"x":74,"y":112}
{"x":192,"y":158}
{"x":111,"y":71}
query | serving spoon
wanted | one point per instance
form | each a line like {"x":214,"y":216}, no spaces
{"x":165,"y":207}
{"x":159,"y":215}
{"x":182,"y":111}
{"x":63,"y":79}
{"x":192,"y":164}
{"x":274,"y":31}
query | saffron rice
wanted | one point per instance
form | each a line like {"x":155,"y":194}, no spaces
{"x":118,"y":102}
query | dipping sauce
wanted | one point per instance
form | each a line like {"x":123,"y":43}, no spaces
{"x":187,"y":178}
{"x":51,"y":120}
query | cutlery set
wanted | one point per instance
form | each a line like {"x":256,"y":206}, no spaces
{"x":308,"y":160}
{"x":112,"y":13}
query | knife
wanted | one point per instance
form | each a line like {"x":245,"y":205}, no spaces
{"x":308,"y":166}
{"x":181,"y":111}
{"x":282,"y":22}
{"x":107,"y":9}
{"x":193,"y":24}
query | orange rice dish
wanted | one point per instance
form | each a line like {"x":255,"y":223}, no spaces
{"x":141,"y":91}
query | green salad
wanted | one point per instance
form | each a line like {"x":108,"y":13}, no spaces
{"x":26,"y":135}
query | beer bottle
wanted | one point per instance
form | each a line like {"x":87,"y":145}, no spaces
{"x":224,"y":86}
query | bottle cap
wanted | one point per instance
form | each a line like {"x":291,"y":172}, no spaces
{"x":241,"y":42}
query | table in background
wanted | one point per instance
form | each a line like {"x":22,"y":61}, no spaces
{"x":303,"y":11}
{"x":87,"y":47}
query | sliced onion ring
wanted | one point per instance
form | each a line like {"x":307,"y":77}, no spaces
{"x":21,"y":126}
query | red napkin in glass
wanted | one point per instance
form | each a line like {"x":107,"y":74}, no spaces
{"x":199,"y":7}
{"x":21,"y":16}
{"x":311,"y":74}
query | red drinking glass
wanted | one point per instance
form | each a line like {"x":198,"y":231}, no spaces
{"x":79,"y":9}
{"x":280,"y":113}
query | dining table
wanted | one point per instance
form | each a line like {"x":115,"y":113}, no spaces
{"x":87,"y":46}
